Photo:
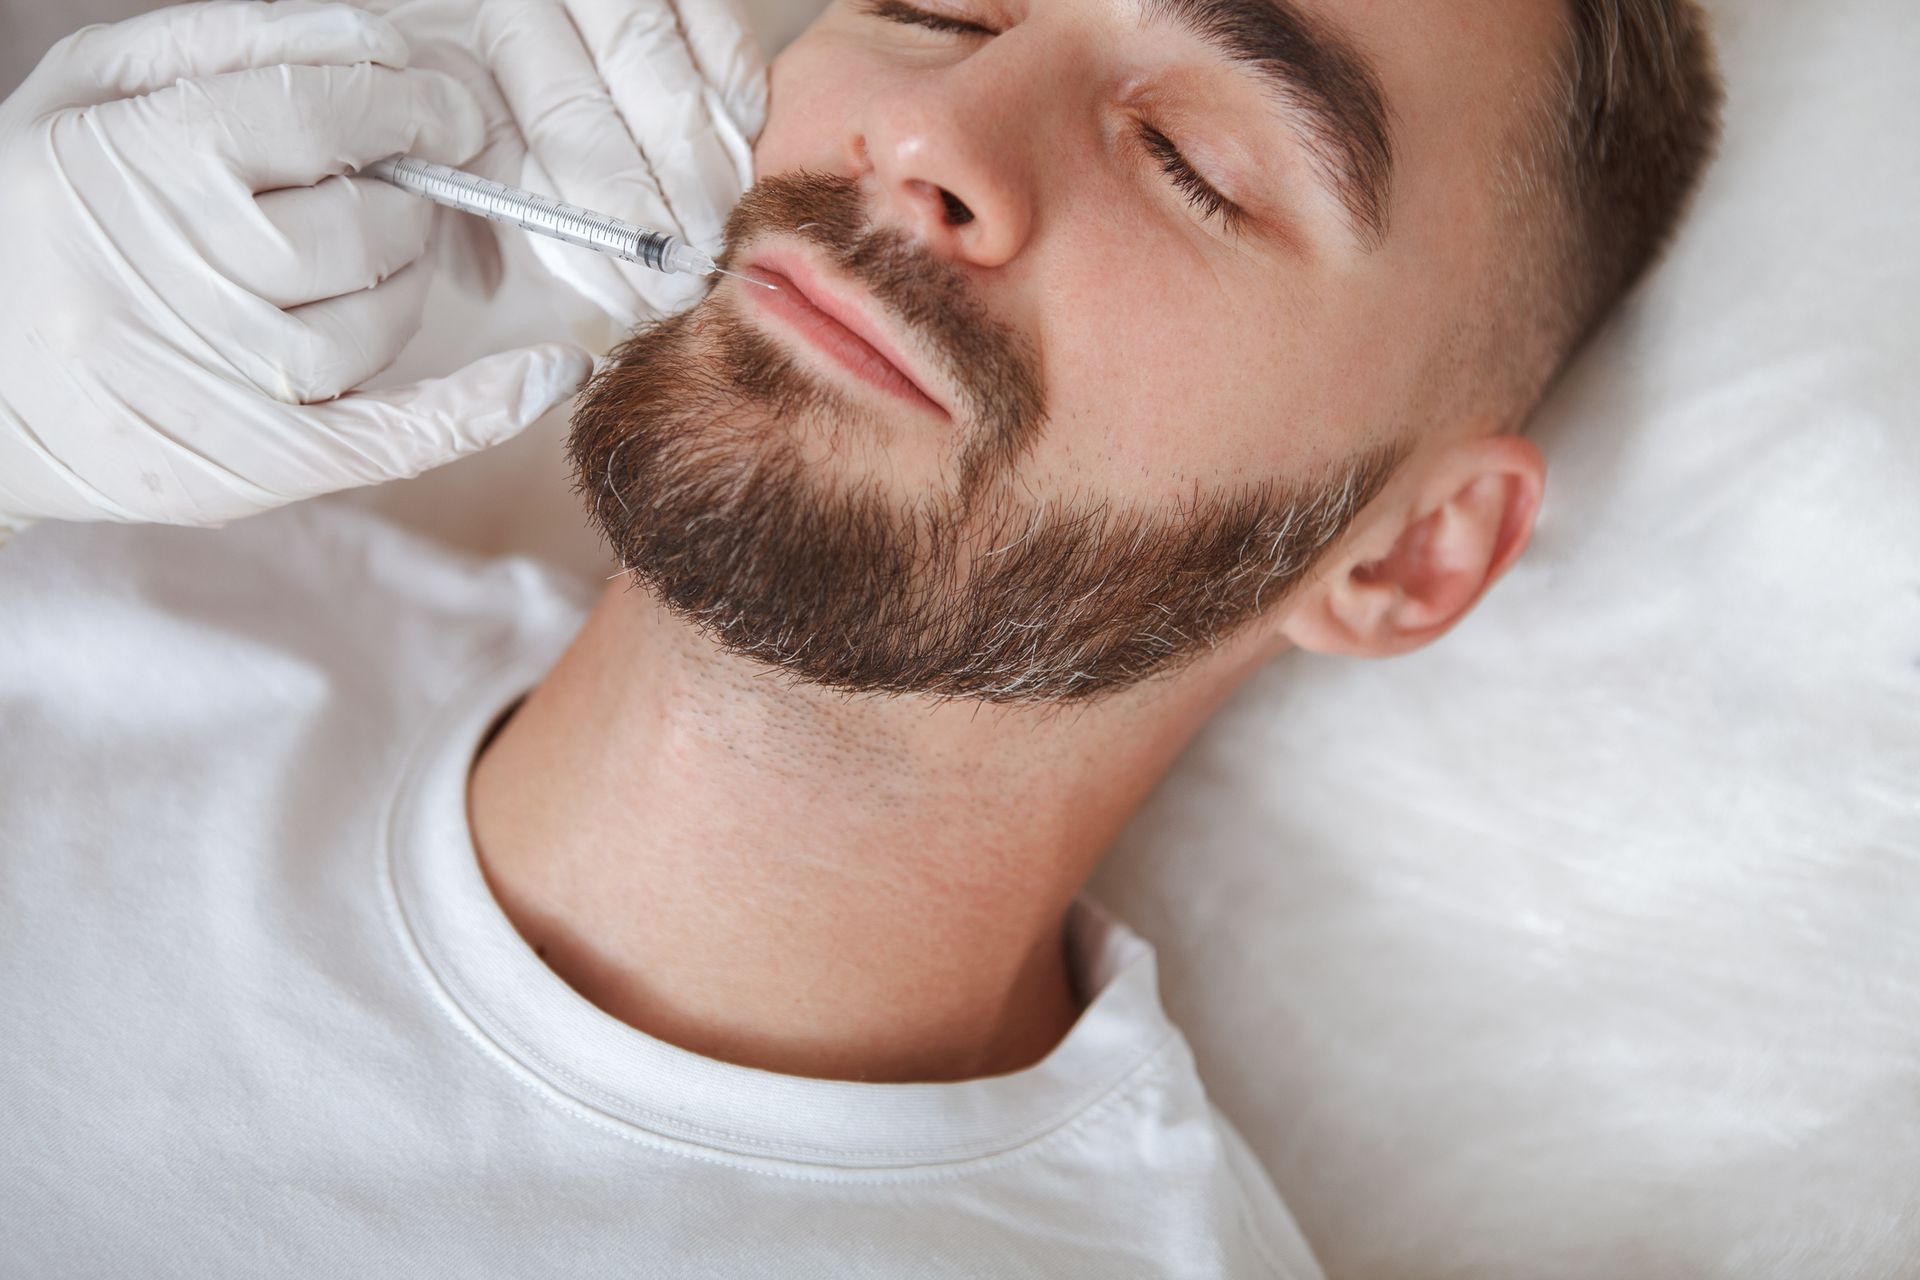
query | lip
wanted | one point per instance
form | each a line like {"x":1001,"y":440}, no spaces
{"x":837,"y":326}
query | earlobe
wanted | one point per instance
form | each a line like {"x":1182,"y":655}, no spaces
{"x":1467,"y":521}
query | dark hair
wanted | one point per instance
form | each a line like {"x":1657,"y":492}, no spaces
{"x":1639,"y":120}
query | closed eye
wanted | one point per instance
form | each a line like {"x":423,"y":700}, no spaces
{"x":1187,"y":180}
{"x":909,"y":16}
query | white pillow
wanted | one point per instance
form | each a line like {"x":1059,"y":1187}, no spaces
{"x":1587,"y":943}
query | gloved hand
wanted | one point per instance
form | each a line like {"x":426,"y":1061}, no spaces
{"x":643,"y":109}
{"x":190,"y":282}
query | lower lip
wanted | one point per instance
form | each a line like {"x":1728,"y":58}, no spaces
{"x":828,"y":336}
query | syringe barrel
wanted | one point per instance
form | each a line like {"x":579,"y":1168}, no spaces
{"x":540,"y":214}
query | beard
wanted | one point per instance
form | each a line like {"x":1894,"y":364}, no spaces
{"x":686,"y":448}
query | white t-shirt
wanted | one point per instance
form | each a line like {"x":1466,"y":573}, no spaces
{"x":259,"y":1014}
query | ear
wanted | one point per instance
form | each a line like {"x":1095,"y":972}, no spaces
{"x":1409,"y":577}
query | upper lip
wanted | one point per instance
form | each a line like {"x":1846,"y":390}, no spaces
{"x":852,"y":307}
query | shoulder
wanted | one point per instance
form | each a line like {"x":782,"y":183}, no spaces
{"x":1269,"y":1224}
{"x":1169,"y":1176}
{"x":137,"y":652}
{"x":1184,"y":1182}
{"x":318,"y":586}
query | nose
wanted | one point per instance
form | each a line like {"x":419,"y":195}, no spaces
{"x":948,"y":166}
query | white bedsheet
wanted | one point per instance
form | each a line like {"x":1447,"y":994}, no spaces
{"x":1586,"y":944}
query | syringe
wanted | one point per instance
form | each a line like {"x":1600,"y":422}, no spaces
{"x":544,"y":215}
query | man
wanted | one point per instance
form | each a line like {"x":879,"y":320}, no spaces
{"x":1090,"y":356}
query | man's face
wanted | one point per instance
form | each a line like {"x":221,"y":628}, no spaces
{"x":1096,"y":322}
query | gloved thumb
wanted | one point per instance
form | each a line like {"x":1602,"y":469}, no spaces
{"x":398,"y":432}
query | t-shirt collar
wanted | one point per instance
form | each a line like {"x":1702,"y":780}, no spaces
{"x":491,"y":982}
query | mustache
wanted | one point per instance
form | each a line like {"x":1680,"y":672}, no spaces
{"x":995,"y":369}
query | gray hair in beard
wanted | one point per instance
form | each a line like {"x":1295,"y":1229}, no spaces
{"x":683,"y":450}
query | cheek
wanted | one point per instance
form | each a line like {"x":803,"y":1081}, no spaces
{"x":1160,"y":378}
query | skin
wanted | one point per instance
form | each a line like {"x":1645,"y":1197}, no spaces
{"x":873,"y":887}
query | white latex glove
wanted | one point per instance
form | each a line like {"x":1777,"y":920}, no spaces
{"x":190,"y":283}
{"x":643,"y":109}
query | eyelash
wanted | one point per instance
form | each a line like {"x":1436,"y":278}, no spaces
{"x":1186,"y":179}
{"x":909,"y":16}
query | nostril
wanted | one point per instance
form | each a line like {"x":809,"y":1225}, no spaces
{"x":958,"y":215}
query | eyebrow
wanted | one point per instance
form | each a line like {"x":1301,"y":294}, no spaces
{"x":1314,"y":71}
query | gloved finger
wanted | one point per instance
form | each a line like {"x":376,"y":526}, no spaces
{"x":402,"y":431}
{"x":645,"y":62}
{"x":106,"y":62}
{"x":339,"y":236}
{"x":291,"y":126}
{"x":566,"y":113}
{"x":338,"y":343}
{"x":730,"y":59}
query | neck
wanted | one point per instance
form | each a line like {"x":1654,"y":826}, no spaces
{"x":784,"y":877}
